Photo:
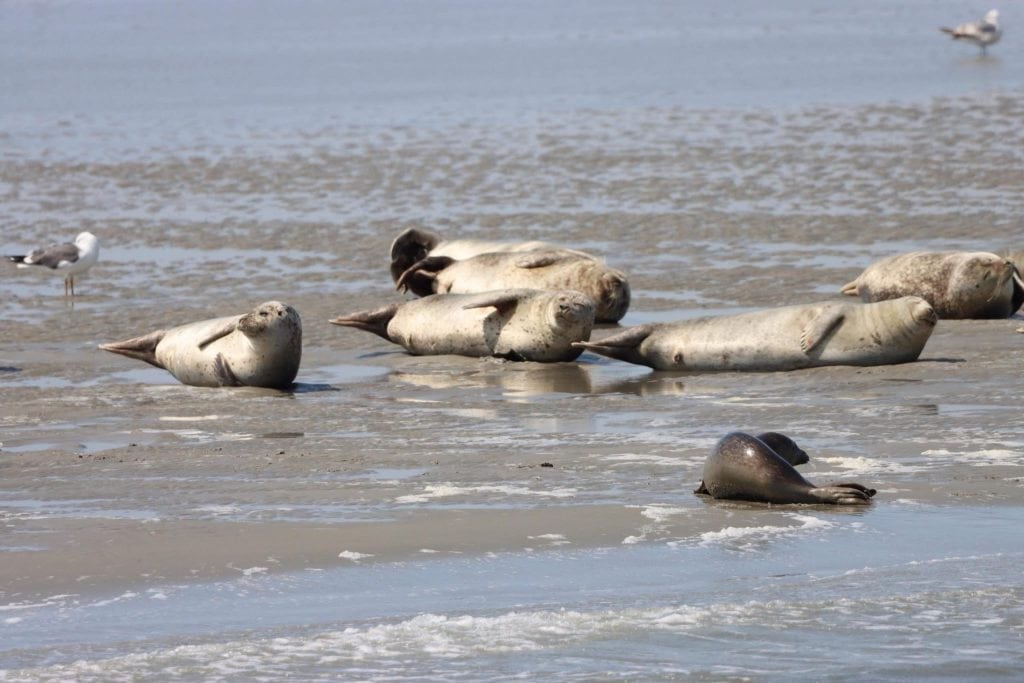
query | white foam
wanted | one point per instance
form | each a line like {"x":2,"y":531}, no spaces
{"x":434,"y":491}
{"x":862,"y":465}
{"x":991,"y":456}
{"x":638,"y":458}
{"x":755,"y":533}
{"x":353,"y":555}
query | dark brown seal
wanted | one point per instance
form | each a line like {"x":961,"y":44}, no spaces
{"x":743,"y":467}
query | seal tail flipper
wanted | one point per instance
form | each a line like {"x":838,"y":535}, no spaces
{"x":16,"y":259}
{"x":411,"y":246}
{"x":702,"y":490}
{"x":622,"y":346}
{"x":950,"y":31}
{"x":375,"y":321}
{"x":840,"y":495}
{"x":420,"y":277}
{"x":141,"y":348}
{"x":817,"y":330}
{"x":850,"y":289}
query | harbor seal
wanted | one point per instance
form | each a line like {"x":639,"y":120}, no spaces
{"x":414,"y":245}
{"x":261,"y":348}
{"x":520,"y":324}
{"x":549,"y":269}
{"x":958,"y":284}
{"x":787,"y":338}
{"x":743,"y":467}
{"x":69,"y":259}
{"x":781,"y":445}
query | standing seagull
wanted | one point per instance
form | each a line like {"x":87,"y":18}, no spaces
{"x":982,"y":33}
{"x":70,"y":259}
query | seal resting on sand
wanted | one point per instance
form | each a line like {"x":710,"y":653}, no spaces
{"x":414,"y":245}
{"x":519,"y":324}
{"x":958,"y":284}
{"x":550,"y":269}
{"x":787,"y":338}
{"x":261,"y":348}
{"x":743,"y":467}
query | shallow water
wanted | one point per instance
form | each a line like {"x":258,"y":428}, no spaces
{"x":404,"y":518}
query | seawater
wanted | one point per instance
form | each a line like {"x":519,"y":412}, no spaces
{"x":881,"y":597}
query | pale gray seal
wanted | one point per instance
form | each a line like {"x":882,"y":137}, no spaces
{"x":787,"y":338}
{"x":550,"y":269}
{"x":958,"y":284}
{"x":69,"y":259}
{"x":519,"y":324}
{"x":743,"y":467}
{"x":261,"y":348}
{"x":414,"y":245}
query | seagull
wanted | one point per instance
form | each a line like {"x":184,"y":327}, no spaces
{"x":982,"y":33}
{"x":70,"y":258}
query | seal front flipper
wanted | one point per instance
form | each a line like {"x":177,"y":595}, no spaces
{"x":622,"y":346}
{"x":141,"y":348}
{"x":219,"y":332}
{"x":869,"y":492}
{"x":410,"y":246}
{"x":225,"y":376}
{"x":839,"y":495}
{"x":375,"y":321}
{"x":419,"y":278}
{"x":546,"y":258}
{"x":503,"y":301}
{"x":819,"y":328}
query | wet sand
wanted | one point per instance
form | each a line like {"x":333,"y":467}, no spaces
{"x":102,"y":452}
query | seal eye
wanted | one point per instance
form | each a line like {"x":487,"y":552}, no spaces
{"x":263,"y":314}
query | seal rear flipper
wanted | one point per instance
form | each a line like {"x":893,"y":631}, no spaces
{"x":702,"y":490}
{"x":504,"y":301}
{"x":1018,"y":291}
{"x":419,"y":278}
{"x":622,"y":346}
{"x":220,"y":332}
{"x":411,"y":246}
{"x":819,"y":328}
{"x":141,"y":348}
{"x":839,"y":495}
{"x":375,"y":321}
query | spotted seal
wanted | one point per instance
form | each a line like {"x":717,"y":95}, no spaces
{"x":786,"y":338}
{"x":414,"y":245}
{"x":520,"y":324}
{"x":782,"y":445}
{"x":261,"y":348}
{"x":958,"y":284}
{"x":551,"y":269}
{"x":743,"y":467}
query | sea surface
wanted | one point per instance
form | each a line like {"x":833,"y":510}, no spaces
{"x":444,"y":518}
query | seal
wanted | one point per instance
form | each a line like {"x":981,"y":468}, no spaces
{"x":519,"y":324}
{"x":550,"y":269}
{"x":958,"y":284}
{"x":786,"y":338}
{"x":743,"y":467}
{"x":261,"y":348}
{"x":781,"y":445}
{"x":414,"y":245}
